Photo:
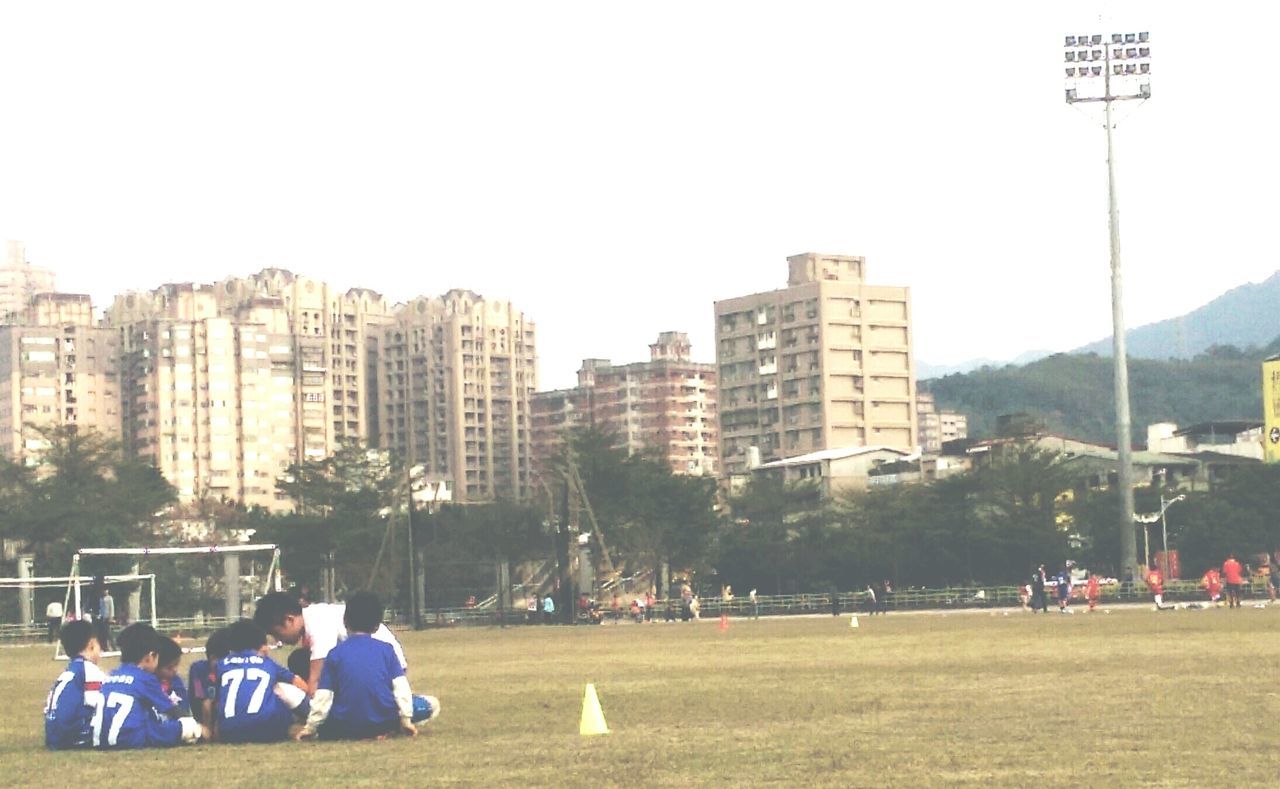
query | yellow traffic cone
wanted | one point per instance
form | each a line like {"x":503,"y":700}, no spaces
{"x":853,"y":621}
{"x":592,"y":717}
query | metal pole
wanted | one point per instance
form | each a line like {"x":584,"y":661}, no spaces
{"x":1128,"y":540}
{"x":1164,"y":532}
{"x":414,"y":609}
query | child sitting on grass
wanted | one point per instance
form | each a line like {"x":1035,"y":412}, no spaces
{"x":201,"y":679}
{"x":76,"y":694}
{"x":167,"y":672}
{"x":363,"y":692}
{"x":136,"y":712}
{"x":255,"y":694}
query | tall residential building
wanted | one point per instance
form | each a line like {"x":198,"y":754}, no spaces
{"x":331,"y":331}
{"x":57,"y":367}
{"x":454,"y":376}
{"x":666,"y":405}
{"x":20,"y":281}
{"x":824,"y":363}
{"x":209,"y":398}
{"x":937,"y":427}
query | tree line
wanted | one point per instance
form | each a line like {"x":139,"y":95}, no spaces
{"x":986,"y":526}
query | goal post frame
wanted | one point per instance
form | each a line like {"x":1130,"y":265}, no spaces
{"x":273,"y":580}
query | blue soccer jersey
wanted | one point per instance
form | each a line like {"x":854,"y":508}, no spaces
{"x":360,"y":671}
{"x":135,"y":711}
{"x":72,"y":703}
{"x":178,"y":694}
{"x":247,"y":707}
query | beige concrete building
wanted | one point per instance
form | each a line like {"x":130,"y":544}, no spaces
{"x":209,"y":399}
{"x":666,"y":405}
{"x":331,"y":331}
{"x":937,"y":427}
{"x":454,"y":377}
{"x":824,"y":363}
{"x":20,"y":281}
{"x":57,"y":367}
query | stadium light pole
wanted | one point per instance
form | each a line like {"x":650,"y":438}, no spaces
{"x":1121,"y":68}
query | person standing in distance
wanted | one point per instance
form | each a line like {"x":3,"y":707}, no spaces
{"x":1233,"y":575}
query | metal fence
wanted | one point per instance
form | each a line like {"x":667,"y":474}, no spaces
{"x":949,"y":598}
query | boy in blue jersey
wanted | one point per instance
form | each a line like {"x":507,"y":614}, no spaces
{"x":77,"y":693}
{"x":170,"y":656}
{"x":363,"y":692}
{"x":256,"y":695}
{"x":136,"y":712}
{"x":200,"y":679}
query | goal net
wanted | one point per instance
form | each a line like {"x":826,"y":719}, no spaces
{"x":201,"y":587}
{"x":29,"y":600}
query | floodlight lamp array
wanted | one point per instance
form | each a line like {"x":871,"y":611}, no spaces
{"x":1124,"y":64}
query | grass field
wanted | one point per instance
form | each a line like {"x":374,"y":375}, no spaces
{"x":1135,"y":697}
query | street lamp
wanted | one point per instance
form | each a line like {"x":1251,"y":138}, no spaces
{"x":1108,"y":69}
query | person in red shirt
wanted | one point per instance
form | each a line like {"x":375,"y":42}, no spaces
{"x":1233,"y":574}
{"x":1092,"y":591}
{"x":1212,"y":584}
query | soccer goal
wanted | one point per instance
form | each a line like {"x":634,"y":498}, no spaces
{"x":82,"y":583}
{"x":34,"y":593}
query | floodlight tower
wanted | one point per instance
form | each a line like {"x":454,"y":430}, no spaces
{"x":1107,"y":72}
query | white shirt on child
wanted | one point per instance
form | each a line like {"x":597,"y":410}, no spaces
{"x":325,"y":628}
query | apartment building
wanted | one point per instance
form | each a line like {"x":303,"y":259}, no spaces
{"x":937,"y":427}
{"x":20,"y":281}
{"x":209,"y":398}
{"x":824,"y":363}
{"x":666,"y":406}
{"x":454,"y":378}
{"x":57,"y":367}
{"x":331,"y":331}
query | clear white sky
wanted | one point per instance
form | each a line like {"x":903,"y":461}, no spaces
{"x":615,"y":168}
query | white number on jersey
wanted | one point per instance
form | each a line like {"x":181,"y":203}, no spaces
{"x":231,"y":687}
{"x":122,"y":703}
{"x":64,"y":679}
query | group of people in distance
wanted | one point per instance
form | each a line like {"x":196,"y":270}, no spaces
{"x":1231,"y":579}
{"x":1034,"y":596}
{"x":347,"y":681}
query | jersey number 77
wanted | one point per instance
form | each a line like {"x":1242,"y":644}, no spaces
{"x":231,"y":682}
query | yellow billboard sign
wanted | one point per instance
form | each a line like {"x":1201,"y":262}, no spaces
{"x":1271,"y":409}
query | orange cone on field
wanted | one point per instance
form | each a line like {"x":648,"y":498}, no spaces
{"x":592,"y":721}
{"x":724,"y":622}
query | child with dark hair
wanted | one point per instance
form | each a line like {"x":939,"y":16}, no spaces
{"x":319,"y":625}
{"x":300,"y":661}
{"x":363,"y":691}
{"x":256,"y":694}
{"x":77,"y":692}
{"x":136,"y":712}
{"x":201,"y":680}
{"x":170,"y":655}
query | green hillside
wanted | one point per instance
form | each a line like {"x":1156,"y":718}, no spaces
{"x":1072,"y":393}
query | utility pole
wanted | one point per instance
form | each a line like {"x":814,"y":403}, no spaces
{"x":1123,"y":64}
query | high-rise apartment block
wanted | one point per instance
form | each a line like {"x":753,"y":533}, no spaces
{"x":208,"y":397}
{"x":824,"y":363}
{"x":937,"y":427}
{"x":330,"y":332}
{"x":57,"y":367}
{"x":454,"y":376}
{"x":666,"y":406}
{"x":20,"y":281}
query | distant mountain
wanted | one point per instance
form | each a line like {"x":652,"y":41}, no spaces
{"x":1244,"y":317}
{"x":925,"y":370}
{"x":1072,"y":393}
